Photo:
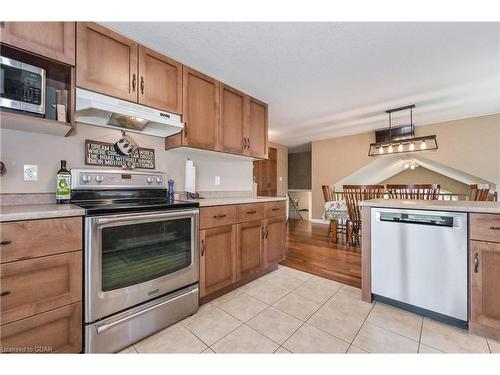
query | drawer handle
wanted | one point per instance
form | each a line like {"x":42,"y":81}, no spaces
{"x":5,"y":242}
{"x":495,"y":228}
{"x":6,"y":293}
{"x":251,"y":212}
{"x":476,"y":263}
{"x":219,"y":216}
{"x":276,"y":209}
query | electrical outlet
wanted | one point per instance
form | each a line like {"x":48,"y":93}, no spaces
{"x":281,"y":179}
{"x":31,"y":173}
{"x":217,"y":180}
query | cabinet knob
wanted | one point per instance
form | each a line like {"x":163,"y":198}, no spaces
{"x":5,"y":242}
{"x":476,"y":263}
{"x":251,"y":212}
{"x":133,"y":82}
{"x":6,"y":293}
{"x":203,"y":247}
{"x":495,"y":228}
{"x":142,"y":85}
{"x":219,"y":216}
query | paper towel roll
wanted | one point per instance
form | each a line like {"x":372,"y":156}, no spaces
{"x":190,"y":177}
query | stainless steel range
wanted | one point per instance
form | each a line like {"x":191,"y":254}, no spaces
{"x":141,"y":256}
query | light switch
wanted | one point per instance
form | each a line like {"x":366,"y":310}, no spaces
{"x":281,"y":179}
{"x":217,"y":180}
{"x":31,"y":173}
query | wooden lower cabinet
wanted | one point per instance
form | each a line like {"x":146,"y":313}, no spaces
{"x":485,"y":288}
{"x":274,"y":244}
{"x":55,"y":331}
{"x":34,"y":286}
{"x":250,"y":248}
{"x":242,"y":242}
{"x":217,"y":258}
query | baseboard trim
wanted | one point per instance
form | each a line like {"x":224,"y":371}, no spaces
{"x":319,"y":221}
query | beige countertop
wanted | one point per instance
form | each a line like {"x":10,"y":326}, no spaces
{"x":222,"y":201}
{"x":435,"y":205}
{"x":38,"y":211}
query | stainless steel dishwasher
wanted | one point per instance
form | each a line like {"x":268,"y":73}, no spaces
{"x":419,"y":261}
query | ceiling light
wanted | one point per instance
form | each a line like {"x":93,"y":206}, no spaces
{"x":394,"y":136}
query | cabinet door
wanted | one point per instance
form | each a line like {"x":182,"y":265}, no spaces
{"x":274,"y":240}
{"x":37,"y":285}
{"x":106,"y":62}
{"x":485,"y":287}
{"x":160,"y":81}
{"x":55,"y":40}
{"x":200,"y":109}
{"x":232,"y":120}
{"x":256,"y":128}
{"x":218,"y":258}
{"x":250,"y":249}
{"x":55,"y":331}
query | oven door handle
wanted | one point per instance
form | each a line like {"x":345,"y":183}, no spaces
{"x":105,"y":327}
{"x":146,"y":217}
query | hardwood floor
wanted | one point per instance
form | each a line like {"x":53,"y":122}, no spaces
{"x":309,"y":250}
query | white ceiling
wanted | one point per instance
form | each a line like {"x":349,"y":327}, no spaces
{"x":324,"y":80}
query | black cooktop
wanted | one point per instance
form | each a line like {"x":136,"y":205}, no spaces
{"x":123,"y":201}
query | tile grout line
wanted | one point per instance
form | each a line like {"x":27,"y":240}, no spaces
{"x":362,"y":324}
{"x":420,"y":336}
{"x":334,"y":294}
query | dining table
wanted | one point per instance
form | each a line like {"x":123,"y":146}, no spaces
{"x":335,"y":212}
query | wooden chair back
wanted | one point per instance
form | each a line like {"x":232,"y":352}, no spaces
{"x":418,"y":191}
{"x":353,"y":194}
{"x":479,"y":192}
{"x":328,"y":192}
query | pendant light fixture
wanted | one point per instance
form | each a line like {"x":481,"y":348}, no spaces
{"x":402,"y":143}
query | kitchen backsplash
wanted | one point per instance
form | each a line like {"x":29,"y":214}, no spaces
{"x":46,"y":151}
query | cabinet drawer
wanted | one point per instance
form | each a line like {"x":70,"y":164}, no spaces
{"x":30,"y":239}
{"x":30,"y":287}
{"x":218,"y":215}
{"x":55,"y":331}
{"x":275,"y":209}
{"x":249,"y":212}
{"x":485,"y":227}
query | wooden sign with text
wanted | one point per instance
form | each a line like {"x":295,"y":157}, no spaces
{"x":103,"y":154}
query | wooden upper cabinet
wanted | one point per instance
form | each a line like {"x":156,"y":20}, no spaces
{"x":256,"y":128}
{"x":232,"y":120}
{"x":250,"y":248}
{"x":160,"y":81}
{"x":55,"y":40}
{"x":200,"y":105}
{"x":485,"y":288}
{"x":217,"y":258}
{"x":274,"y":240}
{"x":106,"y":62}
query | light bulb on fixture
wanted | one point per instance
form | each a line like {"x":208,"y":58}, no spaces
{"x":390,"y":149}
{"x":423,"y":145}
{"x":412,"y":146}
{"x":412,"y":166}
{"x":381,"y":150}
{"x":400,"y":147}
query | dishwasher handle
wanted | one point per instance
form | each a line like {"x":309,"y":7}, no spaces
{"x":417,"y":218}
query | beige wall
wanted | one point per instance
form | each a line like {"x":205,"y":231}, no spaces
{"x":282,"y":168}
{"x":469,"y":145}
{"x":19,"y":148}
{"x":425,"y":176}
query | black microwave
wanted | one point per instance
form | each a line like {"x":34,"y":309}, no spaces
{"x":22,"y":86}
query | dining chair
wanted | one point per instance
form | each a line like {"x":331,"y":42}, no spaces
{"x":479,"y":192}
{"x":416,"y":191}
{"x":353,"y":195}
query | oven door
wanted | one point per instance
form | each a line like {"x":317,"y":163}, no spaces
{"x":133,"y":258}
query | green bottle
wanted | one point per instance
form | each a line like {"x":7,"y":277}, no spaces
{"x":63,"y":190}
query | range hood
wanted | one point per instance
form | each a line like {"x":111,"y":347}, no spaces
{"x":102,"y":110}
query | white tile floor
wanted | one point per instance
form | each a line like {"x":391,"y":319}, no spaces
{"x":289,"y":311}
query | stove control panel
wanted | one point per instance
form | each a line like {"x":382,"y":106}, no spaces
{"x":117,"y":179}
